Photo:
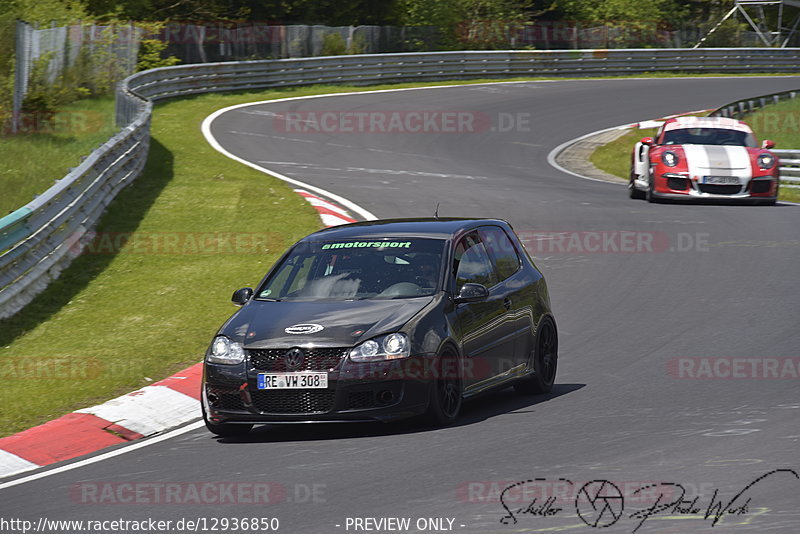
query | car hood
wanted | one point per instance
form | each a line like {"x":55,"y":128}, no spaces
{"x":344,"y":323}
{"x":713,"y":157}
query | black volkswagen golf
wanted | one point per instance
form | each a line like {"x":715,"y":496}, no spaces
{"x":381,"y":320}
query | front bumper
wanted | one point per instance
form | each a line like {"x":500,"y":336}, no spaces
{"x":681,"y":187}
{"x":374,"y":391}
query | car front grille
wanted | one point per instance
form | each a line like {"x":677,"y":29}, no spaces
{"x":359,"y":400}
{"x":274,"y":360}
{"x":294,"y":402}
{"x":760,"y":186}
{"x":678,"y":184}
{"x":717,"y":189}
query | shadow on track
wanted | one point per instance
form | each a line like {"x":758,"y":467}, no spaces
{"x":484,"y":407}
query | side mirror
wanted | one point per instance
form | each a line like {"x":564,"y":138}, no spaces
{"x":241,"y":296}
{"x":472,"y":293}
{"x":647,"y":141}
{"x":768,"y":144}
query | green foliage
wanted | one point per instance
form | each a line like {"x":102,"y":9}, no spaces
{"x":333,"y":45}
{"x":45,"y":12}
{"x":458,"y":19}
{"x":358,"y":45}
{"x":728,"y":34}
{"x":620,"y":12}
{"x":151,"y":49}
{"x":151,"y":55}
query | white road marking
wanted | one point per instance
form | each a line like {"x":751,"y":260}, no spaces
{"x":378,"y":171}
{"x":99,"y":458}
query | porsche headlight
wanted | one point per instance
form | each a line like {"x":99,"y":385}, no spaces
{"x":766,"y":161}
{"x":225,"y":351}
{"x":390,"y":347}
{"x":669,"y":158}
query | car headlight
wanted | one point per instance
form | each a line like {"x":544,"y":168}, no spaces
{"x":390,"y":347}
{"x":766,"y":161}
{"x":223,"y":350}
{"x":670,"y":158}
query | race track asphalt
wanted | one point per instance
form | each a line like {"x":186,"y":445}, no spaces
{"x":697,"y":285}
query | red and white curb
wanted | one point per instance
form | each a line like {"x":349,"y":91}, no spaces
{"x":127,"y":418}
{"x":330,"y":213}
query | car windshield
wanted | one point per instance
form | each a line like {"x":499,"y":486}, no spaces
{"x":709,"y":136}
{"x":376,"y":268}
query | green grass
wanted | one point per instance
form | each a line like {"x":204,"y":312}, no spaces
{"x":118,"y":319}
{"x":615,"y":157}
{"x":112,"y":322}
{"x":31,"y":162}
{"x":779,"y":122}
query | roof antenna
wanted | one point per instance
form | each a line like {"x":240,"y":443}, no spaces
{"x":436,"y":213}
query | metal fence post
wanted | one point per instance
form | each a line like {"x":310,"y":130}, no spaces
{"x":21,"y":71}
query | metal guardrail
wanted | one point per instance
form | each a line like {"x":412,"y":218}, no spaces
{"x":789,"y":158}
{"x":41,"y":239}
{"x":790,"y":164}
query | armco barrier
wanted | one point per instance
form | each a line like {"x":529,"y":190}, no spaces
{"x":40,"y":239}
{"x":789,"y":158}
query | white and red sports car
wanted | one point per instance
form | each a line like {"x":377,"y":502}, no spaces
{"x":705,"y":158}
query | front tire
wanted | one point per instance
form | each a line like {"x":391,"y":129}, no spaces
{"x":634,"y":193}
{"x":446,"y":394}
{"x":648,"y":194}
{"x":545,"y":362}
{"x":225,"y":430}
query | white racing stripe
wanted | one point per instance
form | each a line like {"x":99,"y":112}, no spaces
{"x":696,"y":159}
{"x":740,"y":160}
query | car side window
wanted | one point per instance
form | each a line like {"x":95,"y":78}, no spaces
{"x":472,"y":263}
{"x":502,"y":252}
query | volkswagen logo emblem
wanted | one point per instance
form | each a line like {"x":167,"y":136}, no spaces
{"x":293,"y":359}
{"x":304,"y":329}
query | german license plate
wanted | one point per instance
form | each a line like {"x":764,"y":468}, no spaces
{"x":721,"y":180}
{"x":292,"y":380}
